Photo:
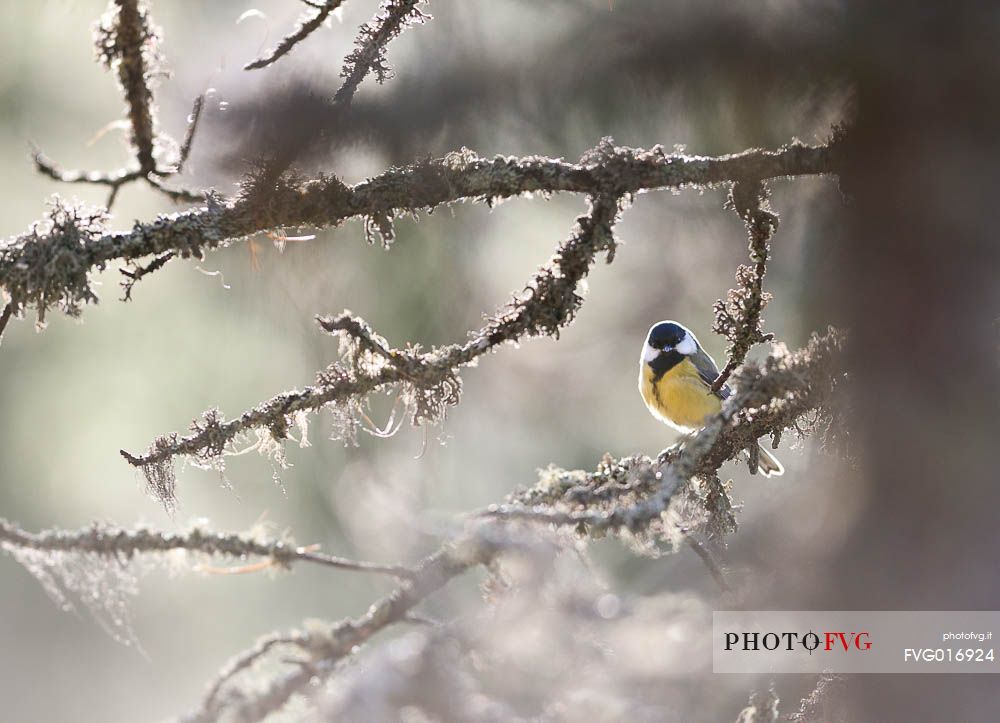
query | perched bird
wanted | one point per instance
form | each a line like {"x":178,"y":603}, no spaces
{"x":675,"y":379}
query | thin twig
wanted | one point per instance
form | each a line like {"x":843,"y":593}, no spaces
{"x":5,"y":317}
{"x":418,"y":619}
{"x":189,"y":134}
{"x":174,"y":194}
{"x":244,"y":661}
{"x":134,"y":275}
{"x":304,"y":28}
{"x":118,"y":542}
{"x":710,"y":562}
{"x":392,"y":18}
{"x":48,"y":167}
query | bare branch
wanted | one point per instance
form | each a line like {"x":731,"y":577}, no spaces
{"x":305,"y":27}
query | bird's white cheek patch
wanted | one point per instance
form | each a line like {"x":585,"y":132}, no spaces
{"x":687,"y":346}
{"x":648,"y":353}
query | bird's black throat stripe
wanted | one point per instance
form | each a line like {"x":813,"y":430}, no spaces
{"x":663,"y":363}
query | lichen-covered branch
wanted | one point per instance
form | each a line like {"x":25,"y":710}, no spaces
{"x":826,"y":703}
{"x":437,"y":676}
{"x":787,"y":390}
{"x":392,"y":18}
{"x":428,"y":381}
{"x":324,"y":645}
{"x":122,"y":544}
{"x":127,"y":43}
{"x":622,"y":495}
{"x":49,"y":266}
{"x":303,"y":29}
{"x":30,"y":274}
{"x":628,"y":495}
{"x":762,"y":708}
{"x":738,"y":318}
{"x":98,"y":567}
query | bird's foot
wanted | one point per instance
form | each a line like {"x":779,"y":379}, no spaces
{"x":671,"y":451}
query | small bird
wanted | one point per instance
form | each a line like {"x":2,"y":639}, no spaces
{"x":675,"y":379}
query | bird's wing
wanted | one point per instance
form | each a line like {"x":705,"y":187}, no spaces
{"x":708,"y":371}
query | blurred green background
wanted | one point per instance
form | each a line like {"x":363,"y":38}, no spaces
{"x":499,"y":77}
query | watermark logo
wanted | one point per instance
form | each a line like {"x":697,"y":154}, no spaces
{"x":854,"y":642}
{"x":791,"y":641}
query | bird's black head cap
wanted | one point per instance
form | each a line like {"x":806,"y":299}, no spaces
{"x":666,"y":333}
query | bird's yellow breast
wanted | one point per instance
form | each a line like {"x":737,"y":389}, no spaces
{"x":680,"y":397}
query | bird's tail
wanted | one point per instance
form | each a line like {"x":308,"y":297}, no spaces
{"x":768,"y":464}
